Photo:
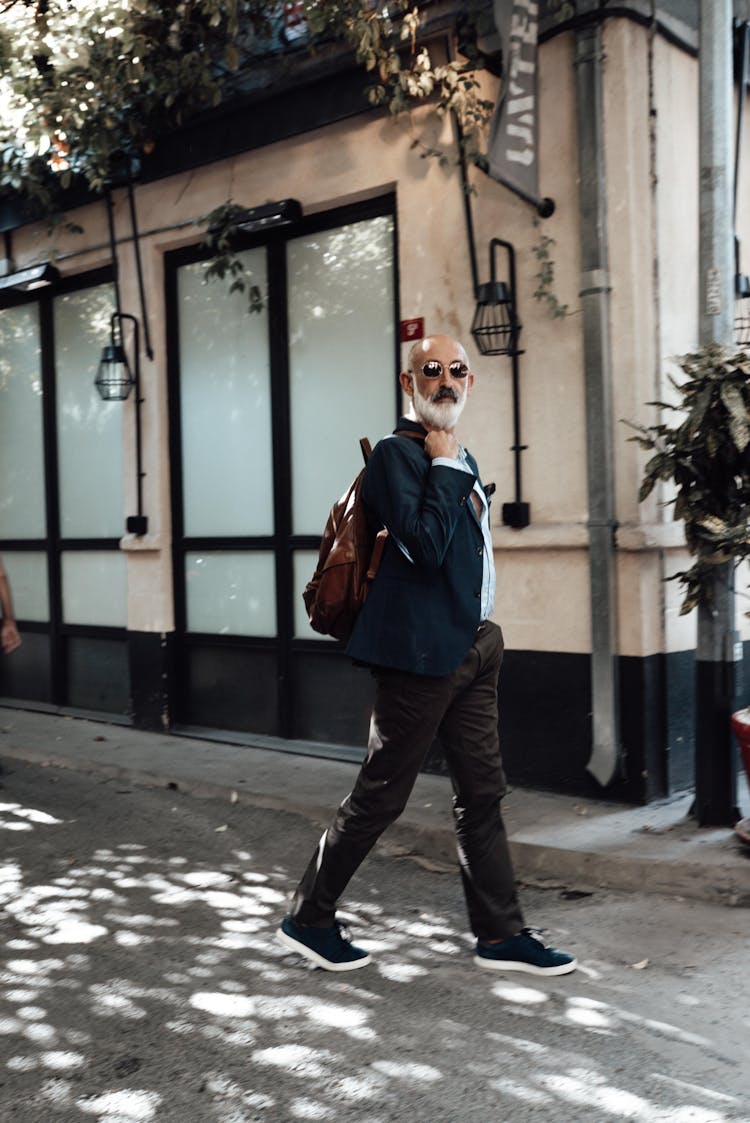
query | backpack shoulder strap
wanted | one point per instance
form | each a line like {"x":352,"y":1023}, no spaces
{"x":410,"y":433}
{"x":366,"y":447}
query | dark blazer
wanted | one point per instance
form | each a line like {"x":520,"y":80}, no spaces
{"x":420,"y":615}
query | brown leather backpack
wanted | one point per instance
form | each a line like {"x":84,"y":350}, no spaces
{"x":347,"y":563}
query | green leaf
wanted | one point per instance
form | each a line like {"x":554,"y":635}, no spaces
{"x":739,"y":422}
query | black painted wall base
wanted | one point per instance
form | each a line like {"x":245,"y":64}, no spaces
{"x":151,"y":658}
{"x":545,"y":724}
{"x":545,"y":711}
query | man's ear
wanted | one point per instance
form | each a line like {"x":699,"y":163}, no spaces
{"x":406,"y":378}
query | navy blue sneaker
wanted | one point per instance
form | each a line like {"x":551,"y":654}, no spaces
{"x":325,"y":947}
{"x":525,"y":952}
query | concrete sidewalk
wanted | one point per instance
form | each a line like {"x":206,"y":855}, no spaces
{"x":556,"y":840}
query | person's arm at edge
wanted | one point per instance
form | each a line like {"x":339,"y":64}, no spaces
{"x":9,"y":637}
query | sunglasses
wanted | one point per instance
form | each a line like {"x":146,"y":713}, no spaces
{"x":434,"y":369}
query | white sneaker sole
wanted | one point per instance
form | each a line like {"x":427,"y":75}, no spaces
{"x":318,"y":960}
{"x":528,"y":968}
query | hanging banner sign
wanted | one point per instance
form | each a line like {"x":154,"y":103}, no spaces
{"x":512,"y":145}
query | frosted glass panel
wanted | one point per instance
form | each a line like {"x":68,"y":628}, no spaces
{"x":27,"y":574}
{"x":304,"y":567}
{"x":231,"y":593}
{"x":22,"y":513}
{"x":94,"y":588}
{"x":341,"y":325}
{"x":89,"y":430}
{"x":225,"y":394}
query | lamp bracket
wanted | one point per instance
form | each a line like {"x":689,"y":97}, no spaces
{"x":516,"y":515}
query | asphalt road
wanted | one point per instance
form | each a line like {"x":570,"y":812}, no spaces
{"x":139,"y":981}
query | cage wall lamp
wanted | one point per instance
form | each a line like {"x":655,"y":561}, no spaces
{"x":741,"y":328}
{"x":114,"y":377}
{"x":496,"y":329}
{"x":114,"y":381}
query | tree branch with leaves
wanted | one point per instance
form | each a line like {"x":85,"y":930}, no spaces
{"x":706,"y":455}
{"x":85,"y":86}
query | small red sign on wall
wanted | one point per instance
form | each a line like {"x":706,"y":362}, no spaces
{"x":411,"y":330}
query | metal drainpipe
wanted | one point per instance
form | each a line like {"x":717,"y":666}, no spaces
{"x":718,"y":644}
{"x":605,"y":762}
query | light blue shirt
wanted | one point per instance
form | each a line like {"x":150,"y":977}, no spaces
{"x":488,"y":558}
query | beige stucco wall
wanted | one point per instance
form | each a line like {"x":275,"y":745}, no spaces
{"x":652,"y":178}
{"x":366,"y":157}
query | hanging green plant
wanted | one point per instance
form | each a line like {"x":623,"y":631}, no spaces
{"x":222,"y":233}
{"x":545,"y":276}
{"x":706,"y":455}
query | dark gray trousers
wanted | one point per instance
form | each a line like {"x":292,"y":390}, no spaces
{"x":409,"y":712}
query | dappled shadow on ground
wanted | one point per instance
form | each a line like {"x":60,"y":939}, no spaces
{"x":137,"y":984}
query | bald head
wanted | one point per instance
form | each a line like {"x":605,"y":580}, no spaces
{"x":443,"y":347}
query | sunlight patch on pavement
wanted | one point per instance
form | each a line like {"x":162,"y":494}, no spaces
{"x":22,"y":996}
{"x":133,"y":939}
{"x":109,"y":1004}
{"x":408,"y":1070}
{"x":401,"y":972}
{"x":248,"y":925}
{"x":308,"y":1109}
{"x":695,"y":1089}
{"x":590,"y":1090}
{"x":31,"y":1013}
{"x":29,"y":813}
{"x":521,"y":1092}
{"x":122,"y":1106}
{"x":592,"y":1019}
{"x":361,"y":1087}
{"x":74,"y":932}
{"x":593,"y":1013}
{"x":14,"y":817}
{"x":232,"y":1096}
{"x":341,"y":1017}
{"x":40,"y":1033}
{"x":207,"y":879}
{"x":21,"y":1064}
{"x":34,"y":967}
{"x":514,"y":992}
{"x":224,"y":1005}
{"x":519,"y":1044}
{"x":61,"y":1060}
{"x":298,"y":1060}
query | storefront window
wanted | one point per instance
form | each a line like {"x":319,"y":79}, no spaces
{"x":341,"y":349}
{"x":22,"y":508}
{"x":231,"y":593}
{"x":89,"y":430}
{"x":225,"y":414}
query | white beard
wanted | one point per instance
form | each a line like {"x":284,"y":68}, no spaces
{"x":437,"y":415}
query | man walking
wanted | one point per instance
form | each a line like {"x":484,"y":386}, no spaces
{"x":426,"y":633}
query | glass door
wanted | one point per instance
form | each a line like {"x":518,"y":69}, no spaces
{"x":267,"y":408}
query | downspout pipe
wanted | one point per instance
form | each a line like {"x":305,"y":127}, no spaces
{"x":605,"y":764}
{"x":718,"y":646}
